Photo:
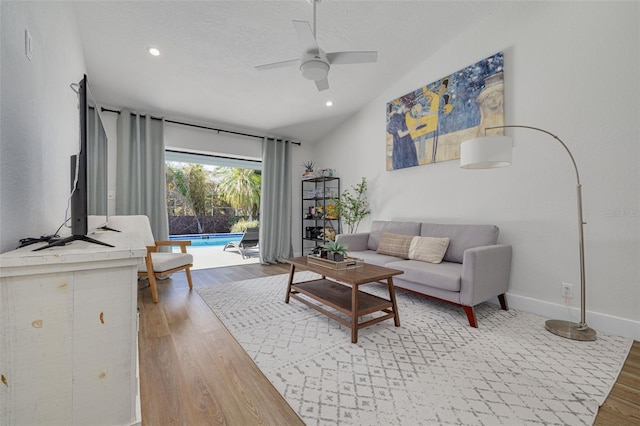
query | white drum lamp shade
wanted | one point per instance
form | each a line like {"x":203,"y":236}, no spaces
{"x":486,"y":152}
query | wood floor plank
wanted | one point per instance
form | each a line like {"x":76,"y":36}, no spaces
{"x":161,"y":384}
{"x":622,"y":406}
{"x":626,"y":413}
{"x":206,"y":406}
{"x":193,"y":372}
{"x":625,"y":392}
{"x":630,"y":378}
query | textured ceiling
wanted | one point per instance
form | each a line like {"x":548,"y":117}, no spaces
{"x":206,"y":72}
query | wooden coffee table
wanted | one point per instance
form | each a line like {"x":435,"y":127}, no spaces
{"x":345,"y":295}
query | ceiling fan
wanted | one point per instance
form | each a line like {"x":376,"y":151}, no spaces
{"x":315,"y":62}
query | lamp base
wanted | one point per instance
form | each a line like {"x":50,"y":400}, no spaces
{"x":570,"y":330}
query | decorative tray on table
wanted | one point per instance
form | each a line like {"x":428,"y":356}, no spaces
{"x":347,"y":263}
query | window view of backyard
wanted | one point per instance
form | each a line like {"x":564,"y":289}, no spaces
{"x":213,"y":206}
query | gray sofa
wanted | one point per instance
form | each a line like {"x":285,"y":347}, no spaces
{"x":474,"y":267}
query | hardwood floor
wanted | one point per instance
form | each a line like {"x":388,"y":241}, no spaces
{"x":622,"y":406}
{"x":193,"y":372}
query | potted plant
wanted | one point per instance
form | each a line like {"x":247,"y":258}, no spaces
{"x":335,"y":251}
{"x":352,"y":208}
{"x":308,"y":168}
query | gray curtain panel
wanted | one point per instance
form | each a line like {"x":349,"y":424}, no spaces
{"x":275,"y":201}
{"x":97,"y":171}
{"x":140,"y":174}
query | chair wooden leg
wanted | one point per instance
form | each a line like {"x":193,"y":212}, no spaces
{"x":188,"y":272}
{"x":471,"y":316}
{"x":154,"y":287}
{"x":503,"y":301}
{"x":151,"y":277}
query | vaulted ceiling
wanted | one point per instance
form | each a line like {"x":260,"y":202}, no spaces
{"x":209,"y":49}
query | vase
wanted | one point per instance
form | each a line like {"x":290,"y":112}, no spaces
{"x":336,"y":257}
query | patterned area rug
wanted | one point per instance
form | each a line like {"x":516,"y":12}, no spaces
{"x":433,"y":370}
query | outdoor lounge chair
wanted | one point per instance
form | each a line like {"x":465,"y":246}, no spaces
{"x":249,"y":240}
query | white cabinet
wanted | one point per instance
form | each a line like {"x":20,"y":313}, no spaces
{"x":68,"y":334}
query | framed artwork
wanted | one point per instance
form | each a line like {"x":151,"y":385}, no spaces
{"x":427,"y":125}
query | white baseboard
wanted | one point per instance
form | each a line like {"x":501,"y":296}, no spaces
{"x":600,"y":322}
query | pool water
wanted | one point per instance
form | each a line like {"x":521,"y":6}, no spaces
{"x":207,"y":240}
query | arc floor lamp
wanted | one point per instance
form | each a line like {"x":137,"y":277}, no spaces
{"x":495,"y":151}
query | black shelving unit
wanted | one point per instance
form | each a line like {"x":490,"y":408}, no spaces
{"x":320,"y":224}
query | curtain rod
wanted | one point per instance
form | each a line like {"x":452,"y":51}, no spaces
{"x":103,"y":109}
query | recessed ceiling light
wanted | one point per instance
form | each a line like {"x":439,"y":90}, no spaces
{"x":329,"y":103}
{"x":154,"y":51}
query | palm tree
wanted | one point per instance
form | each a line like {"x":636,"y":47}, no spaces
{"x":241,"y":189}
{"x":191,"y":187}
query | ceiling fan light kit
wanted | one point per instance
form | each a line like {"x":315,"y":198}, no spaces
{"x":314,"y":67}
{"x":315,"y":63}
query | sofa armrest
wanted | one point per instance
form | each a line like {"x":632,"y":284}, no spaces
{"x":355,"y":242}
{"x":485,"y":273}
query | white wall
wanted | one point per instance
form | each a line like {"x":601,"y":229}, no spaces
{"x":570,"y":68}
{"x":193,"y":139}
{"x":39,"y":117}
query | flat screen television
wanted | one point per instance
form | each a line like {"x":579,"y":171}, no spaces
{"x":89,"y":186}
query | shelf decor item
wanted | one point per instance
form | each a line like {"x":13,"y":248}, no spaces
{"x":325,"y":173}
{"x":308,"y":169}
{"x":495,"y":151}
{"x":331,"y":212}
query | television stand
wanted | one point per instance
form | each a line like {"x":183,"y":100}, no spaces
{"x":65,"y":241}
{"x":80,"y":305}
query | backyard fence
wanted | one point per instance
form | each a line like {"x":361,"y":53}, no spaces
{"x":180,"y":225}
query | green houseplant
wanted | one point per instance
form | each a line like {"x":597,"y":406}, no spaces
{"x":308,"y":168}
{"x":335,"y":251}
{"x":353,"y":207}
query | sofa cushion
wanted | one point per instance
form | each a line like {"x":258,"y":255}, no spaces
{"x":378,"y":227}
{"x":370,"y":256}
{"x":462,"y":237}
{"x":445,"y":275}
{"x":395,"y":244}
{"x":427,"y":249}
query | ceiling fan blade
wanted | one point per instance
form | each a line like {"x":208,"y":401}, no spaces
{"x":282,"y":64}
{"x":305,"y":36}
{"x":322,"y":84}
{"x":362,"y":57}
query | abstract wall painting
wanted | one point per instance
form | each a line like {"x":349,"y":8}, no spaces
{"x":427,"y":125}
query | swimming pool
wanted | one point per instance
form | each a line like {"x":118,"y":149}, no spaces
{"x":207,"y":240}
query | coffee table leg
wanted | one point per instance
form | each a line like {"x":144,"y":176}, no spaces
{"x":354,"y":313}
{"x":392,"y":295}
{"x":292,"y":271}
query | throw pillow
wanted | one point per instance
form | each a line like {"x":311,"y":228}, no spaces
{"x":428,"y":249}
{"x":395,"y":244}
